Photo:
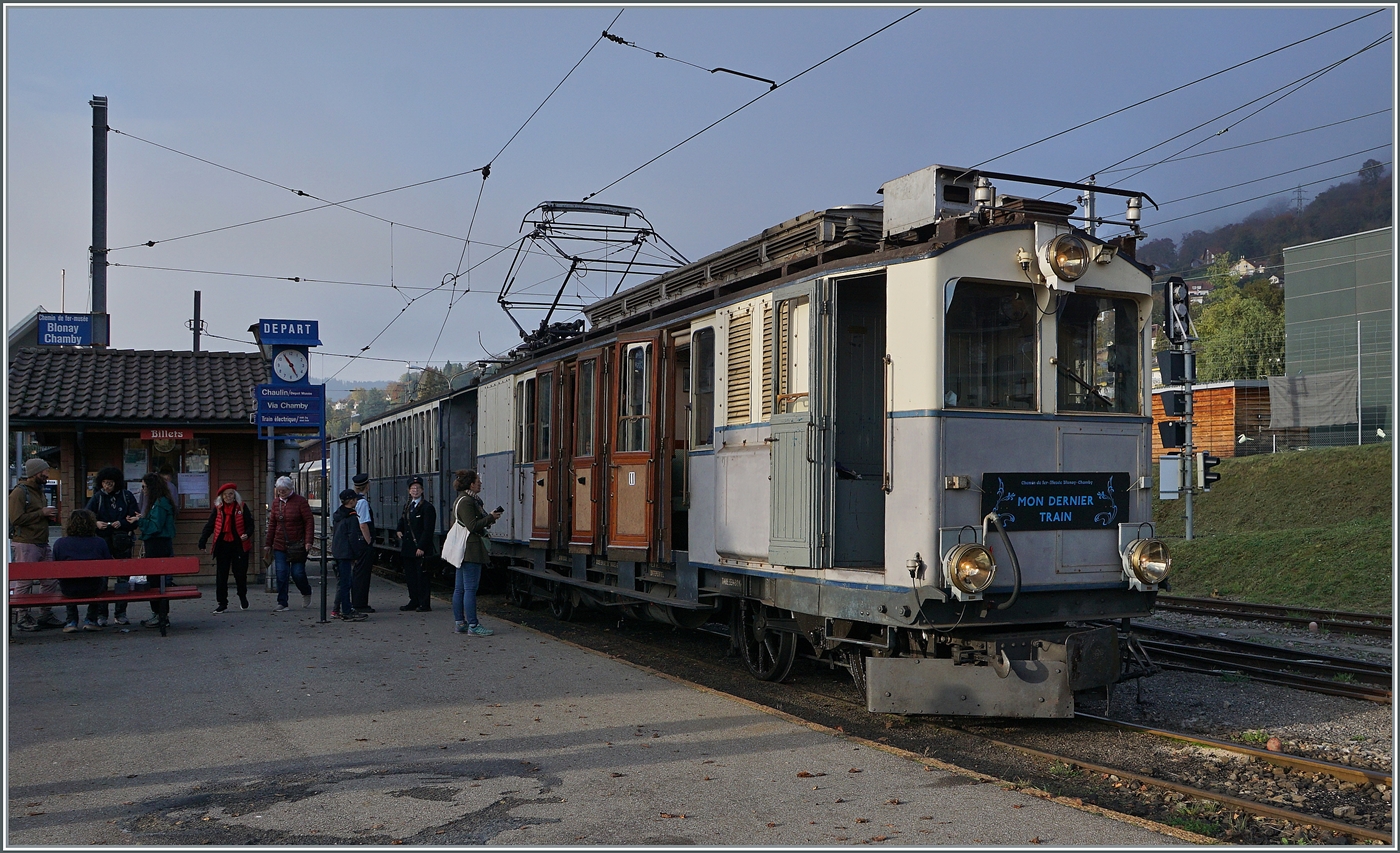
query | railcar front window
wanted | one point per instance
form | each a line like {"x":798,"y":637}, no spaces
{"x":991,"y":345}
{"x":1099,"y":360}
{"x":635,"y":400}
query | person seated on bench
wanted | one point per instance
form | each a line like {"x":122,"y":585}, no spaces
{"x":81,"y":542}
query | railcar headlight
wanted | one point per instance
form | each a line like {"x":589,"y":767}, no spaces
{"x":970,"y":567}
{"x":1148,"y":560}
{"x":1068,"y":256}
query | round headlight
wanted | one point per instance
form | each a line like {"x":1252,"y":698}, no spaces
{"x":1148,"y":560}
{"x":971,"y":567}
{"x":1068,"y":256}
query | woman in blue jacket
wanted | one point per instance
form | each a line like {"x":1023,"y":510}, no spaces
{"x":158,"y":532}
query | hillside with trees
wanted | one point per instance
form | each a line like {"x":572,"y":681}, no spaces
{"x":360,"y":404}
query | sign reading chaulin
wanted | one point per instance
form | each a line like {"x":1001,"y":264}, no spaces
{"x":1057,"y":500}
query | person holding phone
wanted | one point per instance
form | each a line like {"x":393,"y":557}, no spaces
{"x":471,"y":513}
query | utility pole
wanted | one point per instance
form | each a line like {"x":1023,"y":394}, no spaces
{"x":101,"y":328}
{"x":1090,"y":225}
{"x":195,"y":324}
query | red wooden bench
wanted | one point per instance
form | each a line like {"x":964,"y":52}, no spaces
{"x":155,"y":568}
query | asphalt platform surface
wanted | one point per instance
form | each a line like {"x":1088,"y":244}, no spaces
{"x":253,"y":727}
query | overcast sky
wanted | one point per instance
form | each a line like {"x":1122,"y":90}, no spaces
{"x":344,"y":102}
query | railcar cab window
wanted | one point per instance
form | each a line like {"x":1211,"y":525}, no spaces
{"x":990,"y":331}
{"x":634,"y":401}
{"x":525,"y":417}
{"x":702,"y":410}
{"x":1099,"y":360}
{"x":544,"y":416}
{"x":583,"y":431}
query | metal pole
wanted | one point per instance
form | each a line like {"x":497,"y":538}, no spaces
{"x":1358,"y":383}
{"x":1188,"y":451}
{"x":1089,"y":224}
{"x":325,"y":509}
{"x":196,"y":321}
{"x":99,"y":214}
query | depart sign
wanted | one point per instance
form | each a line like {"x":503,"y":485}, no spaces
{"x":304,"y":333}
{"x":1057,"y":500}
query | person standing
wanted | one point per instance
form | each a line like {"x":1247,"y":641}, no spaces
{"x":30,"y":517}
{"x":471,"y":513}
{"x":168,"y":475}
{"x":117,"y":513}
{"x":157,"y":527}
{"x":346,"y":544}
{"x":290,"y":528}
{"x":416,"y":531}
{"x":230,"y":525}
{"x":81,"y":542}
{"x":364,"y":563}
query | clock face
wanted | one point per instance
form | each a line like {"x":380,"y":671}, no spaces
{"x":289,"y":365}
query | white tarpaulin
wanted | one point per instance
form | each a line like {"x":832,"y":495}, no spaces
{"x":1322,"y":399}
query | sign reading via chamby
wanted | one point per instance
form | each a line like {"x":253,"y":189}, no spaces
{"x":305,"y":333}
{"x":291,"y":406}
{"x":1057,"y":500}
{"x":65,"y":330}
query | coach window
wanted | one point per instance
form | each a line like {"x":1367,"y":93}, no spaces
{"x":634,"y":416}
{"x":990,"y":330}
{"x":546,"y":413}
{"x":1098,"y":355}
{"x":587,"y":385}
{"x":702,"y":408}
{"x":525,"y":416}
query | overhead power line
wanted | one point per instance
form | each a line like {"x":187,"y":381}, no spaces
{"x":747,"y":105}
{"x":1275,"y":175}
{"x":613,"y":37}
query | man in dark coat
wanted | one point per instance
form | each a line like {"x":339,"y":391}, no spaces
{"x":364,"y":564}
{"x":115,"y":506}
{"x":417,"y":531}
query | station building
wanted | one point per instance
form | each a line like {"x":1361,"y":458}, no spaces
{"x":83,"y":409}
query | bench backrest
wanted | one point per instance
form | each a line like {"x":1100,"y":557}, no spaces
{"x":150,"y":566}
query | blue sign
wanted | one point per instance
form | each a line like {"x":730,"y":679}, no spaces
{"x":291,"y":406}
{"x":65,"y":330}
{"x":304,"y":333}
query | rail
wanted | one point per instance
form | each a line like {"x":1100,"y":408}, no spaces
{"x":1340,"y":621}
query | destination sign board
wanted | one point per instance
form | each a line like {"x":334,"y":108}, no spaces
{"x":65,"y":330}
{"x":306,"y":333}
{"x":1057,"y":500}
{"x":291,"y":405}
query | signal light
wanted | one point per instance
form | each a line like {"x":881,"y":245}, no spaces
{"x":1204,"y":475}
{"x":1178,"y":311}
{"x":1173,"y":433}
{"x":1174,"y":403}
{"x":1176,"y":368}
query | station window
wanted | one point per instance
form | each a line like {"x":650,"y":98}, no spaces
{"x":702,"y":408}
{"x":634,"y":416}
{"x":1099,"y":359}
{"x":587,"y":385}
{"x":991,"y":344}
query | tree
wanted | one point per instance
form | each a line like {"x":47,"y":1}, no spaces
{"x":1240,"y":339}
{"x":431,"y":383}
{"x":1222,"y":279}
{"x":1370,"y":173}
{"x":1265,"y":291}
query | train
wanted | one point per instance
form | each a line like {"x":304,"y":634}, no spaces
{"x":911,"y":440}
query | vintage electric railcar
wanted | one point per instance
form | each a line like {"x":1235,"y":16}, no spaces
{"x":913,"y":440}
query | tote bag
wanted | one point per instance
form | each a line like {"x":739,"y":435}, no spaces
{"x":454,"y":547}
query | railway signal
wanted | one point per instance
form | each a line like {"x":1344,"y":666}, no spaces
{"x":1178,"y":311}
{"x":1204,"y":475}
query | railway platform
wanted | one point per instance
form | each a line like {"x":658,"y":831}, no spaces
{"x":259,"y":728}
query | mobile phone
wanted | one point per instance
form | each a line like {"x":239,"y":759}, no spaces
{"x":500,"y":509}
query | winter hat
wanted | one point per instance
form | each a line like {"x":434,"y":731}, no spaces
{"x":35,"y":466}
{"x":226,"y":487}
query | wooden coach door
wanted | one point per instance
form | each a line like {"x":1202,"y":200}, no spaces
{"x":546,"y":467}
{"x":636,"y":451}
{"x":585,"y":452}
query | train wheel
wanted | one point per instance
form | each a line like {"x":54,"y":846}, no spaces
{"x":855,"y":662}
{"x":561,"y":606}
{"x":518,"y":590}
{"x":767,"y":654}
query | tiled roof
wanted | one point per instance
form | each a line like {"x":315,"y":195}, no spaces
{"x":64,"y":383}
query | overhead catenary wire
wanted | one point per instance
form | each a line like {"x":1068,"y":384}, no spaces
{"x":747,"y":105}
{"x":1172,"y":90}
{"x":1275,"y":175}
{"x":617,"y":39}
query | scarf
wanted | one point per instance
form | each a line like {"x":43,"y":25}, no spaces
{"x":223,"y":532}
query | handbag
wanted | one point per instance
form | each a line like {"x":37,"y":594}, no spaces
{"x":296,"y":552}
{"x":454,"y":547}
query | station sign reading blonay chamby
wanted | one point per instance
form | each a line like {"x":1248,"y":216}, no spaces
{"x":1057,"y":500}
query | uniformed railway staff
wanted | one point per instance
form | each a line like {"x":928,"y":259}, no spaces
{"x":416,"y":531}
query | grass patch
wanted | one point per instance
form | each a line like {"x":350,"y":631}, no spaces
{"x":1255,"y":736}
{"x":1310,"y":529}
{"x":1194,"y":824}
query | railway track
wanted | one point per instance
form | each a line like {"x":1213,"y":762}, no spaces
{"x":1304,"y":670}
{"x":830,"y":694}
{"x":1339,"y":621}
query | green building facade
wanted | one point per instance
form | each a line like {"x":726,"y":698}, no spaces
{"x":1338,"y":315}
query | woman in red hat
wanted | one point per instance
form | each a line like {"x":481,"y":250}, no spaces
{"x":230,"y":525}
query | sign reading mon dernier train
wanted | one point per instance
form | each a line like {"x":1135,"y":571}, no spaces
{"x":1057,"y":501}
{"x":65,"y":330}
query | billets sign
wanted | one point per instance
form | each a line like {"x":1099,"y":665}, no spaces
{"x":1057,"y":500}
{"x":65,"y":330}
{"x":182,"y":434}
{"x":291,"y":405}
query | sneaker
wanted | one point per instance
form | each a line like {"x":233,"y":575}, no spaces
{"x":122,"y":620}
{"x":279,"y":608}
{"x":461,"y":628}
{"x":88,"y":626}
{"x":154,"y":622}
{"x":48,"y":620}
{"x":479,"y":630}
{"x":365,"y":609}
{"x":70,"y":628}
{"x":305,"y":602}
{"x":242,"y":602}
{"x":354,"y":617}
{"x":221,"y":608}
{"x":102,"y":621}
{"x":27,"y":623}
{"x":335,"y":614}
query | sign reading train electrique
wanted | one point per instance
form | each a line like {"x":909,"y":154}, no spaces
{"x":1057,"y":500}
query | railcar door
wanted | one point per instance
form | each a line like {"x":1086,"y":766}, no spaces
{"x":585,"y":469}
{"x":634,"y":472}
{"x":801,"y":344}
{"x":544,"y":458}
